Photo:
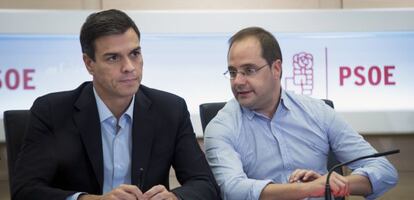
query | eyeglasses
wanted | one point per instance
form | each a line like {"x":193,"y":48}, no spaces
{"x":247,"y":71}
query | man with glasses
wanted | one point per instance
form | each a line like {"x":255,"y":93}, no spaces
{"x":112,"y":138}
{"x":268,"y":143}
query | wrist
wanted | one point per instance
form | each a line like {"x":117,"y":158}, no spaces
{"x":176,"y":197}
{"x":89,"y":197}
{"x":306,"y":189}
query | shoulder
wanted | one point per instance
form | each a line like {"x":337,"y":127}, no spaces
{"x":227,"y":121}
{"x":160,"y":103}
{"x":311,"y":109}
{"x":160,"y":97}
{"x":64,"y":98}
{"x":231,"y":111}
{"x":306,"y":104}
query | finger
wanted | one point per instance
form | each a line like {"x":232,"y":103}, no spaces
{"x":164,"y":195}
{"x":119,"y":193}
{"x":292,"y":176}
{"x":340,"y":185}
{"x":345,"y":185}
{"x":153,"y":191}
{"x":131,"y":189}
{"x":297,"y":175}
{"x":348,"y":188}
{"x":310,"y":175}
{"x":338,"y":188}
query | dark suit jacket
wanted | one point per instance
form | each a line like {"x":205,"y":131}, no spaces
{"x":62,"y":151}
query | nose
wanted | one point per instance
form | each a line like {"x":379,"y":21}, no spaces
{"x":240,"y":78}
{"x":128,"y":65}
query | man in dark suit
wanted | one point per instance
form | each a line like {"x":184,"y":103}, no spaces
{"x":111,"y":138}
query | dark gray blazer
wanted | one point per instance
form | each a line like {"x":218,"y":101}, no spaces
{"x":62,"y":151}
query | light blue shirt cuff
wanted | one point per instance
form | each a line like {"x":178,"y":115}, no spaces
{"x":380,"y":182}
{"x":75,"y":196}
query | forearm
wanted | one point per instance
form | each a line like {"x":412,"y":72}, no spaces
{"x":359,"y":185}
{"x":89,"y":197}
{"x":285,"y":191}
{"x":197,"y":189}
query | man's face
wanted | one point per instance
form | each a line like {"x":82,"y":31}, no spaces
{"x":117,"y":69}
{"x":259,"y":92}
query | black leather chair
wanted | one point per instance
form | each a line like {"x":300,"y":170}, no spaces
{"x":209,"y":110}
{"x":15,"y":125}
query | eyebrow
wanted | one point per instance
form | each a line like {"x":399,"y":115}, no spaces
{"x":137,"y":49}
{"x":114,"y":54}
{"x":243,"y":66}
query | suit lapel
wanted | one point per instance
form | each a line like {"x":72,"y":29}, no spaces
{"x":86,"y":118}
{"x":143,"y":131}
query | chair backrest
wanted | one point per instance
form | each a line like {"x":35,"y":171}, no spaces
{"x":15,"y":125}
{"x":209,"y":110}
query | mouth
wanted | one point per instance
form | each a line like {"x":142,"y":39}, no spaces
{"x":243,"y":93}
{"x":129,"y":80}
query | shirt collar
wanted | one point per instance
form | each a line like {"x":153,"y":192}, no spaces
{"x":285,"y":101}
{"x":105,"y":113}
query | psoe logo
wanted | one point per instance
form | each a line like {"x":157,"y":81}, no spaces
{"x":302,"y":80}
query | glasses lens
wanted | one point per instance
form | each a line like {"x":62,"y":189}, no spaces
{"x":227,"y":74}
{"x":232,"y":73}
{"x":250,"y":71}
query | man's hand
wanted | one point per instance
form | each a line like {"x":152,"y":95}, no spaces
{"x":303,"y":175}
{"x":339,"y":185}
{"x":316,"y":183}
{"x":159,"y":192}
{"x":124,"y":192}
{"x":304,"y":184}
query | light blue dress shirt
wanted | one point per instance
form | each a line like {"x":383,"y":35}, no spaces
{"x":116,"y":146}
{"x":247,"y":150}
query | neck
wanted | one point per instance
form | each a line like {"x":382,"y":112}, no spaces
{"x":118,"y":106}
{"x":273,"y":104}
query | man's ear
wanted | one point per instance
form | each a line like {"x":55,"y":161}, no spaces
{"x":89,"y":63}
{"x":277,"y":68}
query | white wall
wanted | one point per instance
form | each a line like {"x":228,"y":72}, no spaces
{"x":229,"y":21}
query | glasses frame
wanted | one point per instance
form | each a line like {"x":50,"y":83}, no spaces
{"x":244,"y":71}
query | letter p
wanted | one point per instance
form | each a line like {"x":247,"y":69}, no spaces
{"x":344,"y":73}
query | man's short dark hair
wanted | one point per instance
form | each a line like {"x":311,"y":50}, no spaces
{"x":104,"y":23}
{"x":270,"y":47}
